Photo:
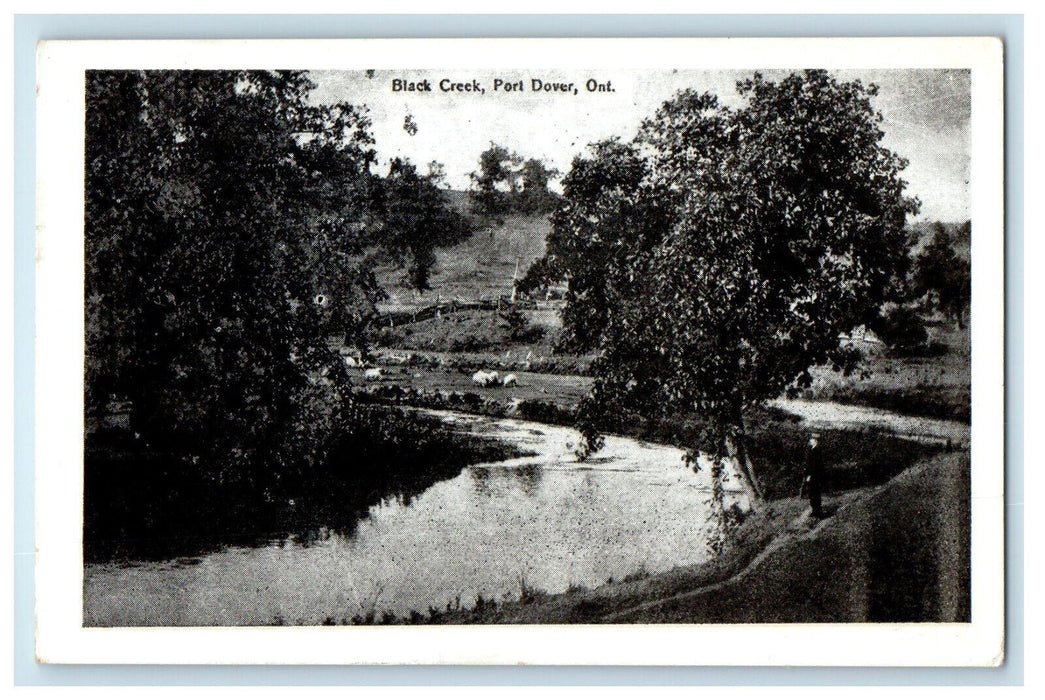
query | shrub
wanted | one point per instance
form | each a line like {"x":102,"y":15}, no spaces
{"x":902,"y":328}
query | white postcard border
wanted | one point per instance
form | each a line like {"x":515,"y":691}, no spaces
{"x":61,"y":638}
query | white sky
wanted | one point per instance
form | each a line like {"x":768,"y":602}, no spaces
{"x":926,"y":114}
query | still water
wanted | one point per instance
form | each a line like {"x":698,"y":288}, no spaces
{"x":546,"y":520}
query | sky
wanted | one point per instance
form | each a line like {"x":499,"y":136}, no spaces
{"x":926,"y":117}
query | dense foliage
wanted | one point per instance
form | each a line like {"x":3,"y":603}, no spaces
{"x":720,"y":254}
{"x":417,"y":219}
{"x":941,"y":276}
{"x":507,"y":183}
{"x":228,"y":227}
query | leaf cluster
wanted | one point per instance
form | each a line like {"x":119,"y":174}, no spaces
{"x":228,"y":227}
{"x":507,"y":183}
{"x":721,"y":253}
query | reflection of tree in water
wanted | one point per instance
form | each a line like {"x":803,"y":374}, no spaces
{"x":339,"y":514}
{"x":490,"y":482}
{"x":529,"y":479}
{"x":183,"y":522}
{"x":481,"y":481}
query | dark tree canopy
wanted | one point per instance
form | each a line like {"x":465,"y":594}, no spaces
{"x":535,"y":197}
{"x":227,"y":224}
{"x":495,"y":182}
{"x":609,"y":214}
{"x":506,"y":182}
{"x":942,"y":276}
{"x":418,"y":219}
{"x":717,"y":257}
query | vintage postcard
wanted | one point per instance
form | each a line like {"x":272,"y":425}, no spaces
{"x":607,"y":351}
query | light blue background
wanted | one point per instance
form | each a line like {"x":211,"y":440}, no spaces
{"x":32,"y":28}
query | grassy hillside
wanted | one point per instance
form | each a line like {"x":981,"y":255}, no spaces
{"x":481,"y":267}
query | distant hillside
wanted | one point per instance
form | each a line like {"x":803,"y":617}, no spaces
{"x":481,"y":267}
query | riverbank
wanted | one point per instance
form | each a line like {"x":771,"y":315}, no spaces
{"x":636,"y":543}
{"x":862,"y":446}
{"x":885,"y":559}
{"x":893,"y":553}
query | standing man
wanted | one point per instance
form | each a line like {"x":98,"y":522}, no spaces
{"x":814,"y":475}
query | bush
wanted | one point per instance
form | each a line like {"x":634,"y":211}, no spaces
{"x":471,"y":342}
{"x":903,"y":329}
{"x":390,"y":337}
{"x":545,"y":412}
{"x":519,"y":328}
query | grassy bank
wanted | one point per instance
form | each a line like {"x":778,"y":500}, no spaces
{"x":933,"y":386}
{"x":893,"y":553}
{"x":899,"y":553}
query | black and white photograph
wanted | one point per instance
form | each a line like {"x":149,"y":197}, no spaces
{"x":625,"y":347}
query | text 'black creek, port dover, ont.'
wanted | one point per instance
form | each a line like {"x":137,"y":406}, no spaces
{"x":503,"y":86}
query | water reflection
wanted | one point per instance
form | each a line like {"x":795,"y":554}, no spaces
{"x":493,"y":481}
{"x":546,"y":520}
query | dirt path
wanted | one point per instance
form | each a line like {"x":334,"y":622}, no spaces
{"x":828,"y":414}
{"x":899,"y":553}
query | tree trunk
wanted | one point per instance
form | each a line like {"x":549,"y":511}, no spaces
{"x":749,"y":468}
{"x":737,"y":449}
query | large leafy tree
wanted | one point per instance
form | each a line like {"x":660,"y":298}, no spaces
{"x":417,"y":218}
{"x":535,"y":196}
{"x":507,"y":183}
{"x":942,"y":276}
{"x":225,"y":220}
{"x":721,"y":254}
{"x":495,"y":183}
{"x":611,"y":215}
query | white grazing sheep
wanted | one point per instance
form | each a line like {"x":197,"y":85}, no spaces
{"x":373,"y":374}
{"x":351,"y":361}
{"x":484,"y":378}
{"x":510,"y":380}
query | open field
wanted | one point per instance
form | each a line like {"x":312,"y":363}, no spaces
{"x":475,"y":330}
{"x":562,"y":390}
